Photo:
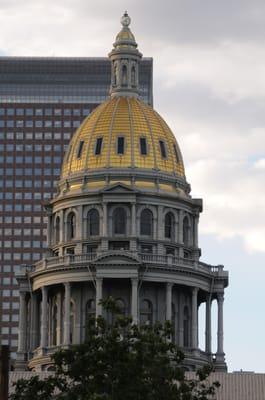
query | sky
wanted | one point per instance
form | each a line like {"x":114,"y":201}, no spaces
{"x":209,"y":85}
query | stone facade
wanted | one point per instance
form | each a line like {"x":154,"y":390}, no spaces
{"x":130,"y":233}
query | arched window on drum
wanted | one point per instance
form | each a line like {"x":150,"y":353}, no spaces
{"x":119,"y":221}
{"x":169,"y":226}
{"x":71,"y":226}
{"x":146,"y":222}
{"x":186,"y":231}
{"x":93,"y":222}
{"x":57,"y":230}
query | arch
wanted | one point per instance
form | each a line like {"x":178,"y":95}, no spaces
{"x":146,"y":222}
{"x":169,"y":225}
{"x":71,"y":226}
{"x":93,"y":222}
{"x":115,"y":75}
{"x":133,"y":76}
{"x":124,"y":75}
{"x":146,"y":312}
{"x":186,"y":326}
{"x":119,"y":221}
{"x":186,"y":227}
{"x":57,"y":229}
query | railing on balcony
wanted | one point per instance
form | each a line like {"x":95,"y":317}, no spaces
{"x":156,"y":260}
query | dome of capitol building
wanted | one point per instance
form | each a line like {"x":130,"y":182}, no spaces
{"x":123,"y":224}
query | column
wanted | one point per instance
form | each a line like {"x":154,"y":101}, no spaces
{"x":99,"y":284}
{"x":61,"y":237}
{"x":49,"y":230}
{"x":208,"y":325}
{"x":59,"y":319}
{"x":67,"y":304}
{"x":220,"y":329}
{"x":194,"y":322}
{"x":169,"y":301}
{"x":34,"y":321}
{"x":22,"y":323}
{"x":134,"y":300}
{"x":44,"y":324}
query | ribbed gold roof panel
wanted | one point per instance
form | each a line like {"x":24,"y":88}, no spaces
{"x":132,"y":119}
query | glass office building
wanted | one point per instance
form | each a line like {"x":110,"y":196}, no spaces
{"x":42,"y":103}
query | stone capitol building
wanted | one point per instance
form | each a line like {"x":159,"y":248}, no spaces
{"x":123,"y":224}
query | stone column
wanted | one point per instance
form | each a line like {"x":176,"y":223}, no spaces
{"x":34,"y":321}
{"x":44,"y":322}
{"x":220,"y":329}
{"x":67,"y":305}
{"x":22,"y":336}
{"x":194,"y":322}
{"x":180,"y":233}
{"x":169,"y":301}
{"x":59,"y":319}
{"x":134,"y":300}
{"x":133,"y":222}
{"x":208,"y":325}
{"x":49,"y":230}
{"x":160,"y":224}
{"x":99,"y":284}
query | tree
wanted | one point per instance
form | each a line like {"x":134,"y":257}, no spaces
{"x":119,"y":361}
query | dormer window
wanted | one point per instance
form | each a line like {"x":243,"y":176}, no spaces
{"x":163,"y":149}
{"x":120,"y":145}
{"x":176,"y":153}
{"x":98,"y":146}
{"x":80,"y":149}
{"x":143,"y":146}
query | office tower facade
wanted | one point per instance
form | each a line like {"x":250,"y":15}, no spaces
{"x":42,"y":102}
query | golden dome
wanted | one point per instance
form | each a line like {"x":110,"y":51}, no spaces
{"x":138,"y":124}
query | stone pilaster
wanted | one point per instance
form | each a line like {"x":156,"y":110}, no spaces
{"x":194,"y":322}
{"x":67,"y":305}
{"x":134,"y":301}
{"x":99,"y":285}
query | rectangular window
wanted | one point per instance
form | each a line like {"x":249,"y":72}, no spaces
{"x":98,"y":145}
{"x":163,"y":149}
{"x":120,"y":145}
{"x":143,"y":146}
{"x":80,"y":149}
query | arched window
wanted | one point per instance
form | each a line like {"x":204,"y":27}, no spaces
{"x":133,"y":76}
{"x":115,"y":75}
{"x":169,"y":225}
{"x":186,"y":231}
{"x":124,"y":75}
{"x":93,"y":222}
{"x":146,"y":312}
{"x":54,"y":325}
{"x":186,"y":318}
{"x":90,"y":313}
{"x":72,"y":322}
{"x":146,"y":222}
{"x":173,"y":322}
{"x":57,"y":230}
{"x":71,"y":226}
{"x":119,"y":221}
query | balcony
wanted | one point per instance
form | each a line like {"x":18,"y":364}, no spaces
{"x":153,"y":260}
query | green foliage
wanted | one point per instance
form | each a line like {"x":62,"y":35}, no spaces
{"x":119,"y":361}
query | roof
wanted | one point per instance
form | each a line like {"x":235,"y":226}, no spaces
{"x":132,"y":119}
{"x":234,"y":386}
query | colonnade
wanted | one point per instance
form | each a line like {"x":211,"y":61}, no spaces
{"x":32,"y":342}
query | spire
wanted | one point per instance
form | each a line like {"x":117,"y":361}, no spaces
{"x":125,"y":58}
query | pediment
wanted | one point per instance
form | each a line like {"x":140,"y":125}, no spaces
{"x":117,"y":258}
{"x":119,"y":188}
